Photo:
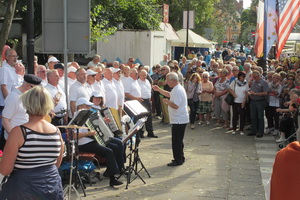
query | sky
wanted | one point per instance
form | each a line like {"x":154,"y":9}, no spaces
{"x":247,"y":3}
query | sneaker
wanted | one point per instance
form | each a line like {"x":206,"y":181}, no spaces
{"x":208,"y":123}
{"x":233,"y":133}
{"x":192,"y":126}
{"x":200,"y":123}
{"x":158,"y":117}
{"x":242,"y":133}
{"x":281,"y":139}
{"x":267,"y":131}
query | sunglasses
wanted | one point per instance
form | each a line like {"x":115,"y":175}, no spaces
{"x":291,"y":79}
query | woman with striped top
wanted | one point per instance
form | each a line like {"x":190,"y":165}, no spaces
{"x":33,"y":152}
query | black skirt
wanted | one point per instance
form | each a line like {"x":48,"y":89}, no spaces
{"x":40,"y":183}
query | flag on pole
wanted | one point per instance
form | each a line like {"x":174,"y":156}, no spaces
{"x":270,"y":26}
{"x":259,"y":37}
{"x":289,"y":13}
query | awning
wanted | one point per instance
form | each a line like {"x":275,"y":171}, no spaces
{"x":195,"y":40}
{"x":170,"y":33}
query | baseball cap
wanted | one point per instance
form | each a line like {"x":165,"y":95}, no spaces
{"x":53,"y":59}
{"x":114,"y":70}
{"x":84,"y":101}
{"x":71,"y":69}
{"x":90,"y":72}
{"x":97,"y":94}
{"x":59,"y":66}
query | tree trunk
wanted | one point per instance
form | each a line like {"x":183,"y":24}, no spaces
{"x":8,"y":18}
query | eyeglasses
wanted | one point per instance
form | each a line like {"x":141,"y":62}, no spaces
{"x":243,"y":76}
{"x":42,"y":71}
{"x":235,"y":70}
{"x":162,"y":69}
{"x":131,"y":60}
{"x":14,"y":56}
{"x":290,"y":79}
{"x":205,"y":77}
{"x":93,"y":75}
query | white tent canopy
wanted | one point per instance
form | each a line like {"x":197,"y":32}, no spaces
{"x":195,"y":40}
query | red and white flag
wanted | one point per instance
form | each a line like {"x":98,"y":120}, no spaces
{"x":259,"y":37}
{"x":289,"y":13}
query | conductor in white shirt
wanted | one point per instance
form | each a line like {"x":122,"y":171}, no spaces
{"x":178,"y":113}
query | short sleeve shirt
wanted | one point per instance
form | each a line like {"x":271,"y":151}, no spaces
{"x":178,"y":97}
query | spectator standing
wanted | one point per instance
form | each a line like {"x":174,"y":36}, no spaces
{"x":193,"y":89}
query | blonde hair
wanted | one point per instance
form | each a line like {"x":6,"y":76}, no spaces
{"x":37,"y":101}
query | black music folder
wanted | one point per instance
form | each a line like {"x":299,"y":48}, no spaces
{"x":80,"y":117}
{"x":135,"y":109}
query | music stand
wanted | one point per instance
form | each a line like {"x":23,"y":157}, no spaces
{"x":134,"y":158}
{"x":76,"y":123}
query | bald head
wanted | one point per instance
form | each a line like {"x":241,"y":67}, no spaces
{"x":133,"y":74}
{"x":107,"y":72}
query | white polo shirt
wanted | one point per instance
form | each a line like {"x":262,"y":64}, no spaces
{"x":78,"y":90}
{"x":132,"y":87}
{"x":110,"y":93}
{"x":178,"y":97}
{"x":120,"y":91}
{"x":8,"y":77}
{"x":62,"y":104}
{"x":14,"y":110}
{"x":145,"y":88}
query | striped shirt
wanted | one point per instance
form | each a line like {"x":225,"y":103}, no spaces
{"x":39,"y":149}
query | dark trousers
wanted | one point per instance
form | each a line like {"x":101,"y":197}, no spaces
{"x":272,"y":116}
{"x":112,"y":153}
{"x":238,"y":113}
{"x":157,"y":103}
{"x":257,"y":117}
{"x":193,"y":109}
{"x":177,"y":142}
{"x":148,"y":124}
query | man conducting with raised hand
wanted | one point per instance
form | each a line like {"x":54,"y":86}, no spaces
{"x":178,"y":113}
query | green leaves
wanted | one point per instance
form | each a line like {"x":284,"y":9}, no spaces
{"x":106,"y":15}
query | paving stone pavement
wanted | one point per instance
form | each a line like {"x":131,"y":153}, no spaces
{"x":218,"y":166}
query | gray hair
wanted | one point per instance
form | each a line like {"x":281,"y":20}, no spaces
{"x":247,"y":65}
{"x":205,"y":73}
{"x":172,"y":76}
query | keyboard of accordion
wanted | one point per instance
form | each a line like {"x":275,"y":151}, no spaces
{"x":103,"y":133}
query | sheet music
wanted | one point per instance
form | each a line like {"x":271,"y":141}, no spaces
{"x":80,"y":117}
{"x":136,"y":107}
{"x":139,"y":124}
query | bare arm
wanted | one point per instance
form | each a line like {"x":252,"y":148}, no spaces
{"x":6,"y":124}
{"x":171,"y":104}
{"x":13,"y":143}
{"x":163,"y":92}
{"x":62,"y":149}
{"x":133,"y":97}
{"x":4,"y":91}
{"x":232,"y":92}
{"x":73,"y":107}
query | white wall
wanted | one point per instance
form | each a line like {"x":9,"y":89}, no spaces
{"x":147,"y":46}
